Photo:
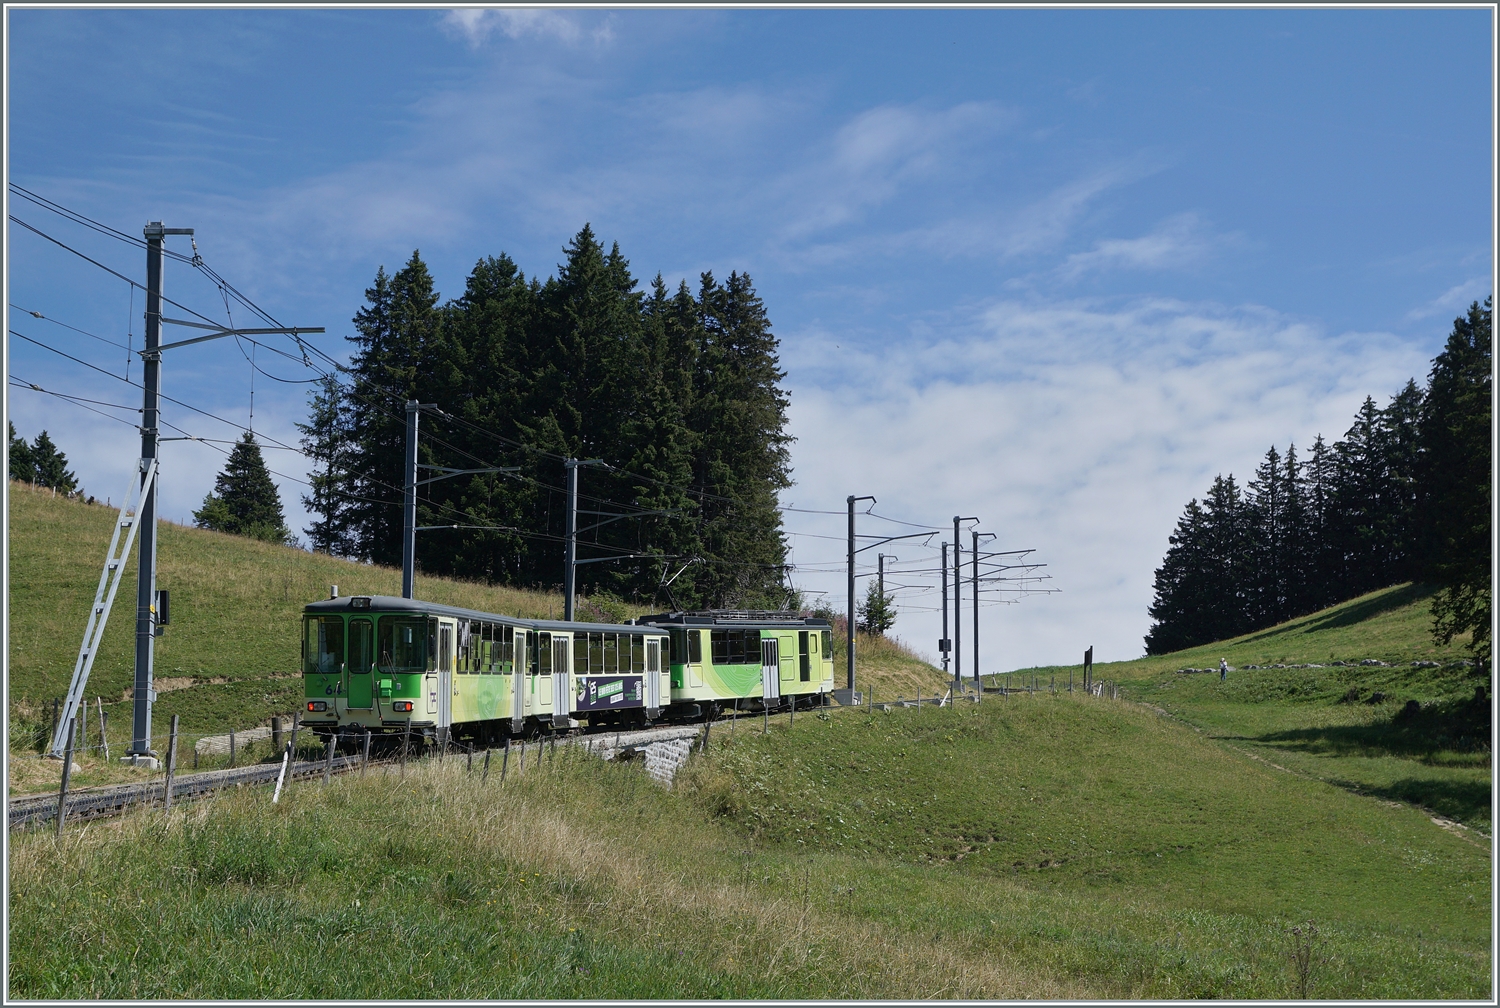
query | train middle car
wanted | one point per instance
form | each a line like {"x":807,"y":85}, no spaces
{"x":746,"y":660}
{"x":392,"y":665}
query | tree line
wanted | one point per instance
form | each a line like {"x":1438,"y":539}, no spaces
{"x":676,"y":393}
{"x":1405,"y":496}
{"x":39,"y":462}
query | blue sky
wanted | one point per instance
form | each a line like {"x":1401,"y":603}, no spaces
{"x":1054,"y":268}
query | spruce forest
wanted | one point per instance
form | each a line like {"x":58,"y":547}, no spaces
{"x":1405,"y":496}
{"x":676,"y":393}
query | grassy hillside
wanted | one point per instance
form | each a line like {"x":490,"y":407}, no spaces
{"x":1348,"y":723}
{"x":1047,"y":847}
{"x":229,"y":658}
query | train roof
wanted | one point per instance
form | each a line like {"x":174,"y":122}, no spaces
{"x":749,"y":618}
{"x":393,"y":604}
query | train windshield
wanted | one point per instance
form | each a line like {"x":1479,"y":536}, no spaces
{"x":323,"y":648}
{"x":403,"y":644}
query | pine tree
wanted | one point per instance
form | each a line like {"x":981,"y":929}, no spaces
{"x":487,"y":383}
{"x":51,"y":466}
{"x":1299,"y":567}
{"x":1454,"y":507}
{"x":395,"y":328}
{"x":1325,"y":557}
{"x":244,"y":501}
{"x":329,"y":443}
{"x":22,"y":465}
{"x":1227,"y":539}
{"x":1181,"y":587}
{"x":877,"y":613}
{"x":1269,"y":551}
{"x":739,"y":414}
{"x":1400,"y":424}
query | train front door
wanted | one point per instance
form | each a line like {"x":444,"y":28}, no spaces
{"x":770,"y":669}
{"x":360,"y":694}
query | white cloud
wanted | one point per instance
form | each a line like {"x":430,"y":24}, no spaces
{"x":476,"y":24}
{"x":1177,"y":242}
{"x":1076,"y":429}
{"x":1455,"y":299}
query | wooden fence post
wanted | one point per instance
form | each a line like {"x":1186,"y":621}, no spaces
{"x":67,"y":775}
{"x":171,"y":764}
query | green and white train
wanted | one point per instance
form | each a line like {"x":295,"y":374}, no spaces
{"x":392,"y":666}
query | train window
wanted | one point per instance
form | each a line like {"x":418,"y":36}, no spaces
{"x":544,"y":655}
{"x":637,"y":653}
{"x":403,"y":644}
{"x":695,"y":647}
{"x":596,"y":652}
{"x":507,"y":647}
{"x":676,"y":647}
{"x":361,"y":645}
{"x":580,"y":653}
{"x":719,"y":639}
{"x":611,"y":653}
{"x":827,"y":643}
{"x":324,"y":648}
{"x":804,"y":657}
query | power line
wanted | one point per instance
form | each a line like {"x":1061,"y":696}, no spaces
{"x":44,"y":318}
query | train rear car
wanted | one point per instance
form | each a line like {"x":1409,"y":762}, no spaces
{"x":745,"y":659}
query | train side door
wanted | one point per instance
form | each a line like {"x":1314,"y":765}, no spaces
{"x":653,"y":677}
{"x":518,"y":678}
{"x":695,"y":659}
{"x":440,"y":699}
{"x":562,"y":680}
{"x":541,"y":684}
{"x":770,"y":668}
{"x":788,"y":664}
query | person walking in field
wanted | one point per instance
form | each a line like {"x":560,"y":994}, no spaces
{"x":1223,"y":670}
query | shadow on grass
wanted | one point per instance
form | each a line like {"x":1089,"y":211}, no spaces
{"x":1459,"y":729}
{"x":1465,"y":801}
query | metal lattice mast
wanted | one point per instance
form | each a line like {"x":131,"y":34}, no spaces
{"x":104,"y":598}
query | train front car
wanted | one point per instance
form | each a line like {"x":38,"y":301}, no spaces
{"x":393,"y":666}
{"x":749,"y":660}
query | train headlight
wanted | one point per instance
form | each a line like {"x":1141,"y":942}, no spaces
{"x":402,"y":706}
{"x":317,"y":705}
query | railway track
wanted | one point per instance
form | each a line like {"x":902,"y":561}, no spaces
{"x":113,"y":799}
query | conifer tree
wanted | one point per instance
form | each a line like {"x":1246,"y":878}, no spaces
{"x":244,"y":500}
{"x":1180,"y":587}
{"x":395,"y":328}
{"x":1268,"y":556}
{"x":327,"y":440}
{"x":1298,"y":567}
{"x":22,"y":465}
{"x":1455,"y":482}
{"x":877,"y":613}
{"x":742,"y":459}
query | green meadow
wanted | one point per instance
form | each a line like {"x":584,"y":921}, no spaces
{"x":1346,"y":724}
{"x":1193,"y":839}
